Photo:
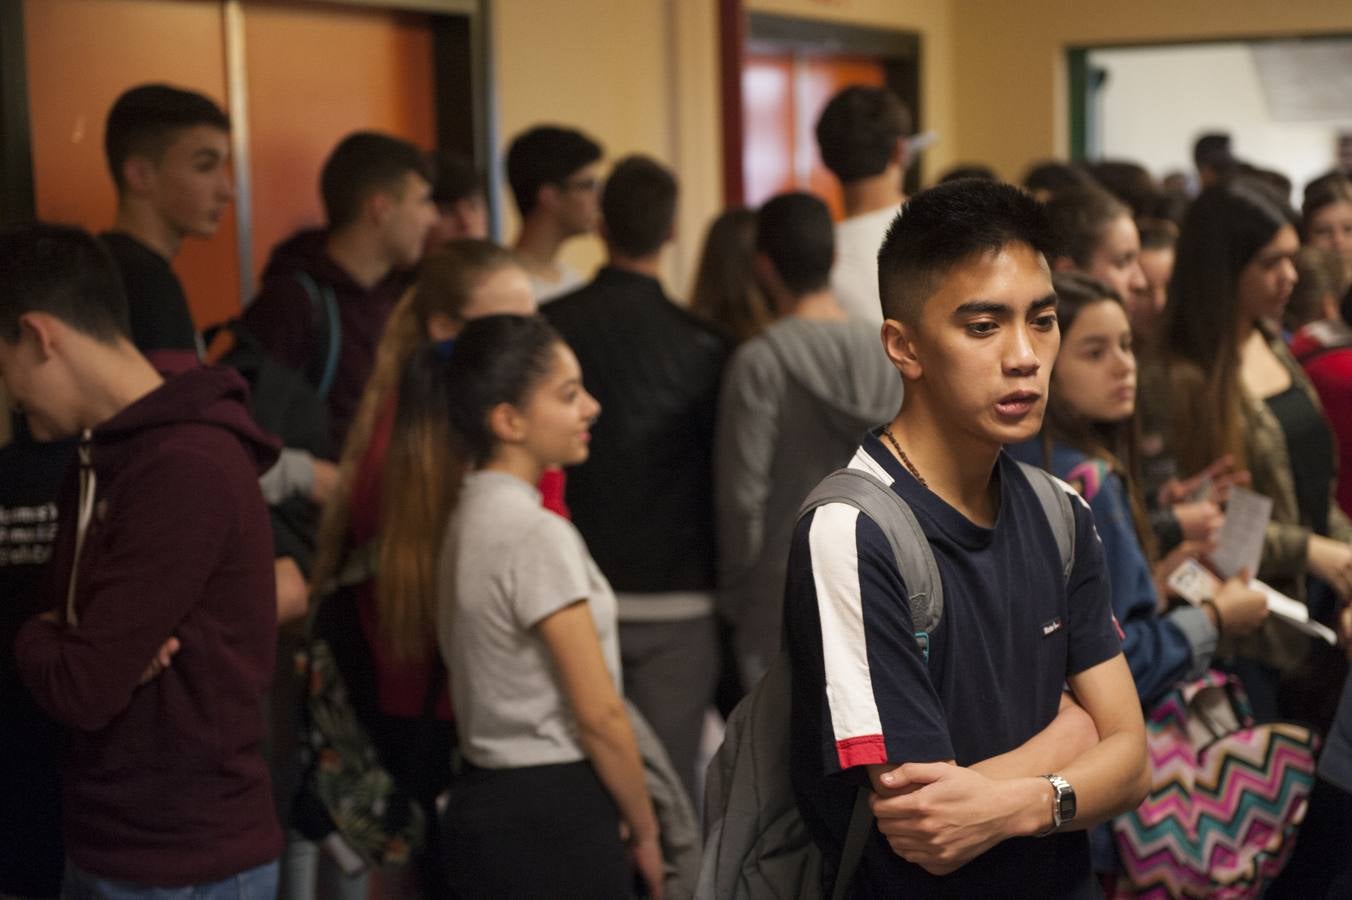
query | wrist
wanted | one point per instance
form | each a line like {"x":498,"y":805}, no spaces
{"x":1213,"y":613}
{"x":1034,"y":798}
{"x":643,"y":833}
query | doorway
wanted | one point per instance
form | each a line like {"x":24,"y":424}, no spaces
{"x":787,"y":71}
{"x":1284,"y":103}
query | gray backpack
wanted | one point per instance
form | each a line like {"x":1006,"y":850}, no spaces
{"x":756,"y":846}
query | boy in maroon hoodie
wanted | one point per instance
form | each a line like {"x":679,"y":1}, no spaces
{"x":163,"y":547}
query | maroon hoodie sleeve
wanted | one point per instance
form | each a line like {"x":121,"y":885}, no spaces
{"x":162,"y":545}
{"x":281,"y":316}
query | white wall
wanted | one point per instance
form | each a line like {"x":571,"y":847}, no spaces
{"x":1156,"y":102}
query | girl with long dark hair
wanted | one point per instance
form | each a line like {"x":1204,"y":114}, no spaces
{"x":1235,"y":389}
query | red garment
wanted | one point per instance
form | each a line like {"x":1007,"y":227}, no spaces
{"x":401,"y":685}
{"x":1331,"y":372}
{"x":164,"y":783}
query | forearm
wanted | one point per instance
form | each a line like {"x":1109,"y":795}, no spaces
{"x":70,"y":686}
{"x":1053,"y":748}
{"x":609,"y":743}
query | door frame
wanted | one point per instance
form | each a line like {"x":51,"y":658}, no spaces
{"x":900,"y":52}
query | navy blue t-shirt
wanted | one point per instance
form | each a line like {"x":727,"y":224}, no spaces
{"x":1012,"y":631}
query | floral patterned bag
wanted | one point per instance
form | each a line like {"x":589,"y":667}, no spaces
{"x":346,"y":786}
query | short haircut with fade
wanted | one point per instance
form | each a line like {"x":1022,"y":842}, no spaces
{"x":946,"y":225}
{"x":859,"y":129}
{"x":64,"y":272}
{"x":145,"y":120}
{"x":638,"y":205}
{"x":364,"y":163}
{"x":546,"y":154}
{"x":795,"y":231}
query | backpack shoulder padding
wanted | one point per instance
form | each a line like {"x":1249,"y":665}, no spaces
{"x":1054,"y":495}
{"x":915,"y":560}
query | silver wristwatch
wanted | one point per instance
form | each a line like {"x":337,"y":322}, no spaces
{"x":1063,"y":803}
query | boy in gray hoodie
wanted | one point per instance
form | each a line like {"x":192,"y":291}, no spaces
{"x":795,"y":402}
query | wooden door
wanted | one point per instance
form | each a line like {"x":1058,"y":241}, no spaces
{"x":81,"y":54}
{"x":782,"y":97}
{"x":315,"y":74}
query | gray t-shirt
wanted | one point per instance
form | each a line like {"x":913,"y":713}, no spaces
{"x":506,"y":564}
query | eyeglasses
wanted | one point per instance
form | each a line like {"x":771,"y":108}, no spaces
{"x":580,"y":184}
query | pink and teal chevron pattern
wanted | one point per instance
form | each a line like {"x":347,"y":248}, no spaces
{"x":1221,"y":818}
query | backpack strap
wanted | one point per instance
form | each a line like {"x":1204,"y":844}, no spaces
{"x":1054,"y":498}
{"x":324,"y":313}
{"x":861,"y":823}
{"x":866,"y":493}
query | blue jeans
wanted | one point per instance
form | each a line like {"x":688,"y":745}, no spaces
{"x":255,"y":884}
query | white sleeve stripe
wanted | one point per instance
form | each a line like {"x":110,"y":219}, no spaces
{"x":863,"y":460}
{"x":835,"y":574}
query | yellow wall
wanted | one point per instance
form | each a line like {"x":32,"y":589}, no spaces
{"x":1011,"y":82}
{"x":641,"y":76}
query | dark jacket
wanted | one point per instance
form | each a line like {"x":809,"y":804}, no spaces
{"x":285,"y":318}
{"x":164,"y":783}
{"x":644,"y":499}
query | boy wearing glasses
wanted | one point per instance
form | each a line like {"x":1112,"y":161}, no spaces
{"x":554,"y":173}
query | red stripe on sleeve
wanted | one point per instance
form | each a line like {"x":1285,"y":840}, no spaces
{"x":866,"y":750}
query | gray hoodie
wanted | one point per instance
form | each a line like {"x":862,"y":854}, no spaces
{"x":796,"y":402}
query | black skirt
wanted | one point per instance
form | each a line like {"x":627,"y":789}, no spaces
{"x":539,"y":831}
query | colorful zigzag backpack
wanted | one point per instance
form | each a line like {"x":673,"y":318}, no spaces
{"x":1225,"y":801}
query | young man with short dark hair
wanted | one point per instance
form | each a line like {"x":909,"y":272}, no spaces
{"x":643,"y":500}
{"x":982,"y":781}
{"x":795,"y":401}
{"x":326,"y":294}
{"x":168,"y":150}
{"x":555,"y":174}
{"x":861,"y":135}
{"x":163,"y":547}
{"x":458,"y":192}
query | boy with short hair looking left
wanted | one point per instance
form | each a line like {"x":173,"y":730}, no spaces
{"x":981,"y":780}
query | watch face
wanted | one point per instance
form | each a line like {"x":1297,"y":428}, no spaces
{"x":1065,"y":800}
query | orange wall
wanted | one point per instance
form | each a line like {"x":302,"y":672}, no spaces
{"x":315,"y":74}
{"x":81,"y":55}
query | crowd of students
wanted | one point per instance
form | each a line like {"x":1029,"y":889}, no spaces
{"x":565,"y":512}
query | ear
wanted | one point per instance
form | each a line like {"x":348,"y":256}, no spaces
{"x":1063,"y":264}
{"x":378,"y":206}
{"x":43,"y":330}
{"x":547,"y":197}
{"x":899,"y":343}
{"x":138,"y":173}
{"x":900,"y":153}
{"x":507,"y":424}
